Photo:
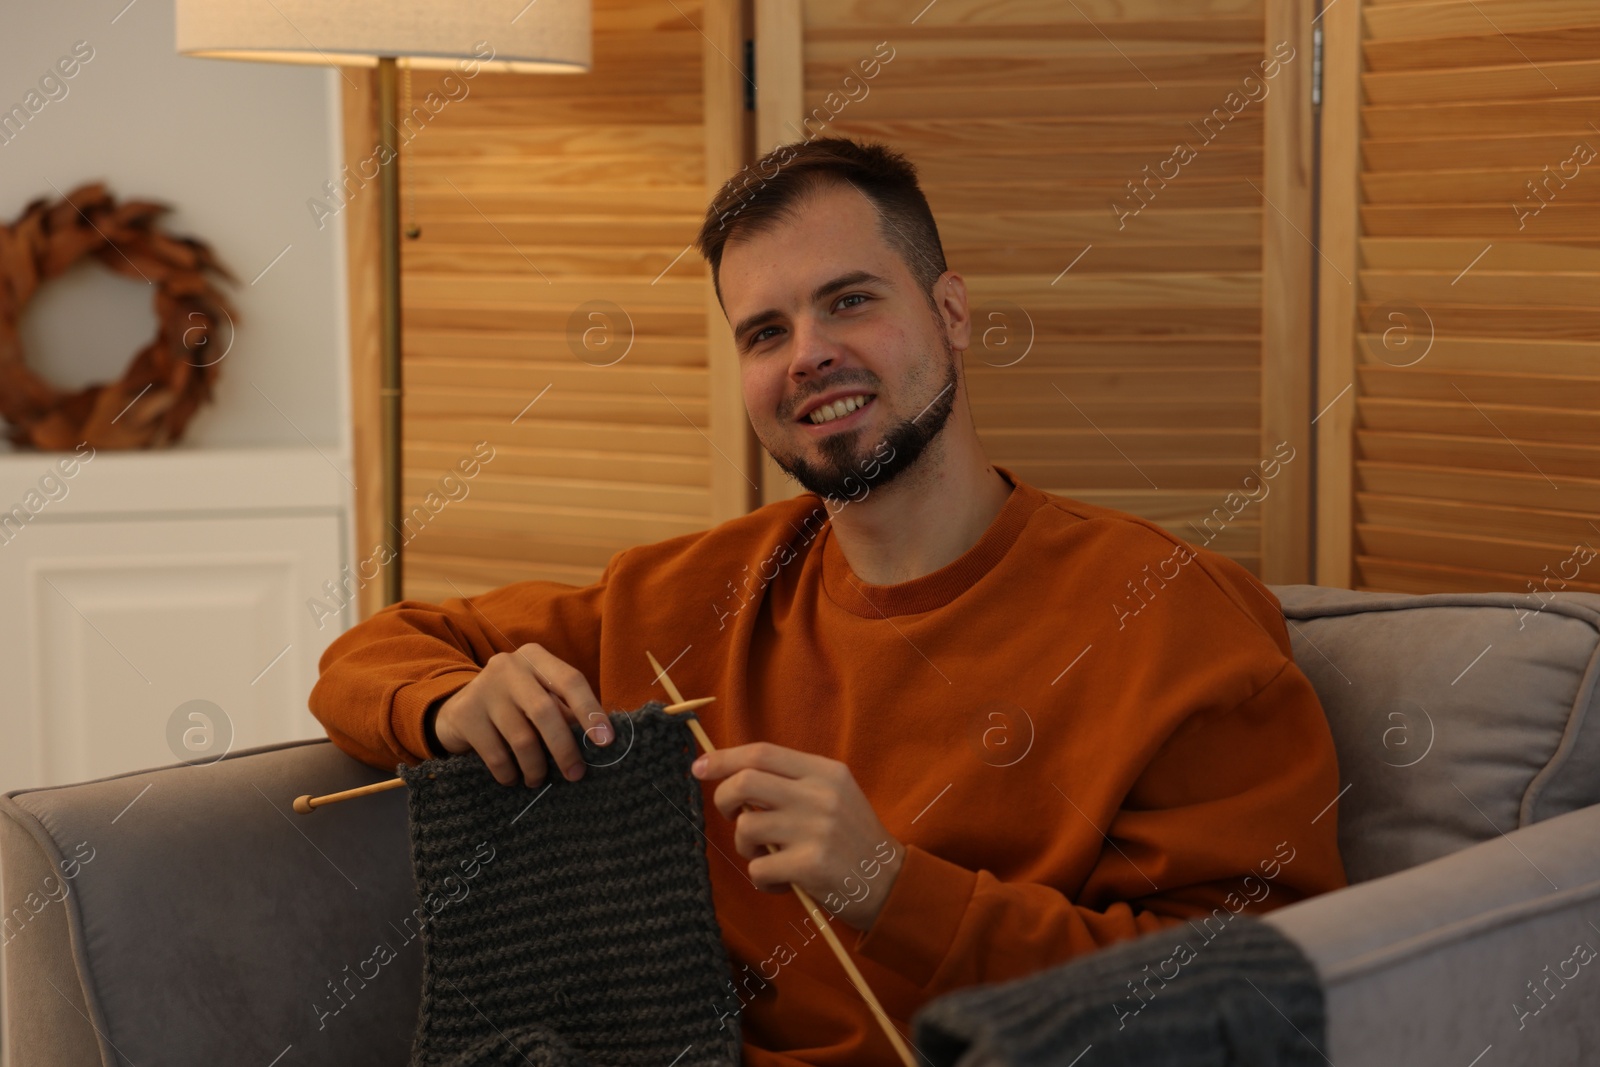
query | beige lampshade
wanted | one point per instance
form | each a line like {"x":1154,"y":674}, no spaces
{"x":501,"y":36}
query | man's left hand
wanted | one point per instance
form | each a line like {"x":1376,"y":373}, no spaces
{"x":830,"y":842}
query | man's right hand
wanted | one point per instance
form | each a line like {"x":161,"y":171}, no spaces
{"x":518,"y":699}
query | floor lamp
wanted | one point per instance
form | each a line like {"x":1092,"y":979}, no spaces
{"x":532,"y":37}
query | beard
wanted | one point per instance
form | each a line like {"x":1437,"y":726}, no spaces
{"x":847,"y":472}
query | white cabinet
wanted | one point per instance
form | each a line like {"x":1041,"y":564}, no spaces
{"x":158,"y":611}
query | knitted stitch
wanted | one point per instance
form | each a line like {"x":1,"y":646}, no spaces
{"x":1248,"y":997}
{"x":583,"y":933}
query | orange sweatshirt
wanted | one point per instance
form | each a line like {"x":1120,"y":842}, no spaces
{"x":1081,"y":730}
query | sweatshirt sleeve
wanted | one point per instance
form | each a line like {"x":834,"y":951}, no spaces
{"x":1198,"y":837}
{"x":377,"y":679}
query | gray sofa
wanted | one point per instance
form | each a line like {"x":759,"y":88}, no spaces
{"x":185,"y":916}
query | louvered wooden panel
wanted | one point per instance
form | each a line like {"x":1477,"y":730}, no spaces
{"x":535,"y":196}
{"x":1463,"y":356}
{"x":1146,"y":387}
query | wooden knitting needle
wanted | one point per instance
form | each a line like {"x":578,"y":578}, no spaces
{"x":306,"y":804}
{"x":823,"y":926}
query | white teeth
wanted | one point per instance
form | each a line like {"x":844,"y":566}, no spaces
{"x":829,"y":412}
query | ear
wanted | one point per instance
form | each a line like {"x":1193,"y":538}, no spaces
{"x":950,"y":294}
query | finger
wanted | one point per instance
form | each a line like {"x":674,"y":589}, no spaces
{"x":757,"y":832}
{"x":519,"y":734}
{"x":772,"y":872}
{"x":487,"y":742}
{"x":541,"y":709}
{"x":761,"y":789}
{"x":573,"y":690}
{"x":765,"y":756}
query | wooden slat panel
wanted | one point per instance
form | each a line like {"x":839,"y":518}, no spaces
{"x":1499,"y":118}
{"x":1524,"y":558}
{"x":529,"y":545}
{"x":538,"y":200}
{"x":1475,"y":372}
{"x":1454,"y":17}
{"x":480,"y":290}
{"x":1489,"y":452}
{"x":1450,"y":85}
{"x":1074,"y":229}
{"x":1022,"y":14}
{"x":1551,"y":288}
{"x":1523,"y":489}
{"x":685,"y":502}
{"x":624,"y":440}
{"x":629,"y":526}
{"x":433,"y":460}
{"x":1072,"y":477}
{"x":1114,"y":416}
{"x":1454,"y":516}
{"x":1447,"y":255}
{"x":1133,"y":444}
{"x":1417,"y":187}
{"x":1564,"y":404}
{"x":1553,"y":324}
{"x":684,"y":322}
{"x":1086,"y":130}
{"x":1464,"y":153}
{"x":497,"y":408}
{"x":1494,"y":221}
{"x":525,"y":378}
{"x":1483,"y":48}
{"x":935,"y":63}
{"x":646,"y":353}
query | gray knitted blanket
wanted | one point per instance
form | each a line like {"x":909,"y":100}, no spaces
{"x":571,"y":925}
{"x":1247,"y":997}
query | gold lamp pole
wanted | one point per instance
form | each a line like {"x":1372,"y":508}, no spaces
{"x":389,"y":391}
{"x":551,"y":36}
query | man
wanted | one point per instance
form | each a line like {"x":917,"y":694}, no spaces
{"x":987,"y":727}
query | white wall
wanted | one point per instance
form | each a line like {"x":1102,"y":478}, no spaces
{"x":237,"y":148}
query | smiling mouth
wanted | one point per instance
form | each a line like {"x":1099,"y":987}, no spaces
{"x":837,"y":410}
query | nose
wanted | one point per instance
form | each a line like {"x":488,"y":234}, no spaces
{"x":813,"y":352}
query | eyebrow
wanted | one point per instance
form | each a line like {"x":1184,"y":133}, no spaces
{"x":828,"y":288}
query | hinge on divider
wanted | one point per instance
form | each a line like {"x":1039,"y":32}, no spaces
{"x":1316,"y":66}
{"x":749,"y":75}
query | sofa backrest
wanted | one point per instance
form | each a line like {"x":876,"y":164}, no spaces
{"x":1456,"y":716}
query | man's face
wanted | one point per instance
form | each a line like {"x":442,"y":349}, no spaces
{"x":827,"y":315}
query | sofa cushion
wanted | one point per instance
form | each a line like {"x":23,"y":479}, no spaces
{"x":1456,"y":716}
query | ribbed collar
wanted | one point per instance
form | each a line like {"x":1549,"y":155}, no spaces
{"x":936,"y":589}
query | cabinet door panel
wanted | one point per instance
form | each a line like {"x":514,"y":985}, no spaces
{"x":115,"y":627}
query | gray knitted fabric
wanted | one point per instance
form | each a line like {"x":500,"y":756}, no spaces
{"x":571,"y":925}
{"x":1247,"y":997}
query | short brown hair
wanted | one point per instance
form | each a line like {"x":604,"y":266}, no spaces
{"x":769,"y":190}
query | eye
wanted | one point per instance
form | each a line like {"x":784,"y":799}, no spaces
{"x":759,"y":335}
{"x":851,"y":296}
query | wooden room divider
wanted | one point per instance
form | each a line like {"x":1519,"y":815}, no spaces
{"x":1126,"y":187}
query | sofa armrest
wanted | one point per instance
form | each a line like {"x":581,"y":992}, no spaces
{"x":188,"y":916}
{"x":1495,"y":945}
